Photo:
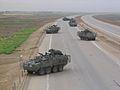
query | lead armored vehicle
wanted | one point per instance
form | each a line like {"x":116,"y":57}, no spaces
{"x":72,"y":22}
{"x":86,"y":35}
{"x":52,"y":61}
{"x":52,"y":29}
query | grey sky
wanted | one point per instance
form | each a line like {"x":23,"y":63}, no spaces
{"x":61,"y":5}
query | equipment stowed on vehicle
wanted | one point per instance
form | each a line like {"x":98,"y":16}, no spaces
{"x":52,"y":61}
{"x":52,"y":29}
{"x":87,"y":35}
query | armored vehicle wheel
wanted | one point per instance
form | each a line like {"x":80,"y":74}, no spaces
{"x":93,"y":39}
{"x":60,"y":68}
{"x":48,"y":70}
{"x":30,"y":72}
{"x":86,"y":39}
{"x":55,"y":69}
{"x":83,"y":38}
{"x":41,"y":71}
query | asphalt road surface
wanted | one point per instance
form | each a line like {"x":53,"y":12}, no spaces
{"x":91,"y":68}
{"x":112,"y":29}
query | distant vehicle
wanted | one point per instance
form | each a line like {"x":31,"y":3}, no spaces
{"x":66,"y":19}
{"x":72,"y":22}
{"x":52,"y":61}
{"x":52,"y":29}
{"x":86,"y":35}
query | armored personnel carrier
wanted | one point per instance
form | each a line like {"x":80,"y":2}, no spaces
{"x":52,"y":61}
{"x":52,"y":29}
{"x":66,"y":19}
{"x":72,"y":22}
{"x":86,"y":35}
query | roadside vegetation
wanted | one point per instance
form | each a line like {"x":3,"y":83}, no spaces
{"x":9,"y":44}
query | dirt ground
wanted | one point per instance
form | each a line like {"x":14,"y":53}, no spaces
{"x":11,"y":72}
{"x":110,"y":18}
{"x":105,"y":40}
{"x":12,"y":23}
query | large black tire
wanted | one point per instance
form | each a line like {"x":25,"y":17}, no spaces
{"x":87,"y":39}
{"x":48,"y":70}
{"x":81,"y":38}
{"x":94,"y":39}
{"x":55,"y":69}
{"x":30,"y":72}
{"x":60,"y":68}
{"x":41,"y":71}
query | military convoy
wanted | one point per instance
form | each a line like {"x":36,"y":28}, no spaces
{"x":72,"y":22}
{"x":52,"y":29}
{"x":87,"y":35}
{"x":52,"y":61}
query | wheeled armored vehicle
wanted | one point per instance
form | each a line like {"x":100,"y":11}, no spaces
{"x":87,"y":35}
{"x":52,"y":29}
{"x":72,"y":22}
{"x":52,"y":61}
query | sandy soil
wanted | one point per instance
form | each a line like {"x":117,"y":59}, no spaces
{"x":105,"y":40}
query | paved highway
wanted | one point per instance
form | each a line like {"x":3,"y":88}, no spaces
{"x":113,"y":29}
{"x":90,"y":69}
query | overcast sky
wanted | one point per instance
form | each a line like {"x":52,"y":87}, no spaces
{"x":61,"y":5}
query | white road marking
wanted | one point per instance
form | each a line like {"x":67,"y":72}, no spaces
{"x":110,"y":55}
{"x":50,"y":43}
{"x":98,"y":47}
{"x":50,"y":46}
{"x":47,"y":87}
{"x":108,"y":32}
{"x":111,"y":33}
